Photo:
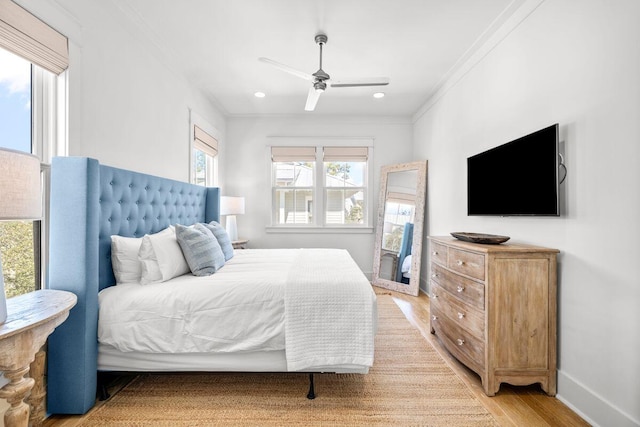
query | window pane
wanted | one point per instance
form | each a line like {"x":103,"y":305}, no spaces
{"x":16,"y":237}
{"x":15,"y":102}
{"x":293,"y":206}
{"x":345,"y":174}
{"x":293,"y":174}
{"x":18,"y":263}
{"x":345,"y":207}
{"x":200,"y":167}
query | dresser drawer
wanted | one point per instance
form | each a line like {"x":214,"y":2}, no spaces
{"x":438,"y":253}
{"x":462,"y":344}
{"x":466,"y":290}
{"x":467,"y":263}
{"x":458,"y":312}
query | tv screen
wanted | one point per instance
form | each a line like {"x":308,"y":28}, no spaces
{"x":516,"y":178}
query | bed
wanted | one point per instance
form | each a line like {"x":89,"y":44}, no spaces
{"x":270,"y":310}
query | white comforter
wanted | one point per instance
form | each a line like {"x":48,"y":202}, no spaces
{"x":241,"y":308}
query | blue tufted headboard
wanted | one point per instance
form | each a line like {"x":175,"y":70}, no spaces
{"x":89,"y":203}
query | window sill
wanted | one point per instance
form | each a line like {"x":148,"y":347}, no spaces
{"x":319,"y":230}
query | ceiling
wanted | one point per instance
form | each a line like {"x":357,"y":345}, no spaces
{"x":216,"y":44}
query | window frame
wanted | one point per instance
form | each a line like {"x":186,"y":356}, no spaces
{"x":48,"y":139}
{"x":320,"y":189}
{"x":211,"y":162}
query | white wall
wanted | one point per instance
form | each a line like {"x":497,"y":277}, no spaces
{"x":126,"y":108}
{"x":248,"y":173}
{"x":576,"y":63}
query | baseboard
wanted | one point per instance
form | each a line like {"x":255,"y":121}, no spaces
{"x":596,"y":410}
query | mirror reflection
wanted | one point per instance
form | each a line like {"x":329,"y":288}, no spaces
{"x":399,"y":232}
{"x":397,"y":229}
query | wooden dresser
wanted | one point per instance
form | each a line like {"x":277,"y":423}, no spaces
{"x":494,"y":308}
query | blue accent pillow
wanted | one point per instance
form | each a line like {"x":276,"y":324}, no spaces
{"x":223,"y":239}
{"x":200,"y":248}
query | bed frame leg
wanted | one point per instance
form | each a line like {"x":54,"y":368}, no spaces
{"x":101,"y":391}
{"x":312,"y":393}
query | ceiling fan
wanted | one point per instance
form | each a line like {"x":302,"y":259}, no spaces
{"x":321,"y":79}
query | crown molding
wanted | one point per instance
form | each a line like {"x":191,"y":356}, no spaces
{"x":510,"y":18}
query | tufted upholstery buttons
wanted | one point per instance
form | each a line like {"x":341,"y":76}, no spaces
{"x":134,"y":204}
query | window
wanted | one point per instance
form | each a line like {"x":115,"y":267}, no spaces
{"x":293,"y":184}
{"x":320,"y":186}
{"x":345,"y":185}
{"x":32,"y":84}
{"x":204,"y":158}
{"x":16,"y":237}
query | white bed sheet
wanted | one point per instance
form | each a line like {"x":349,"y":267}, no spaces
{"x":111,"y":359}
{"x":241,"y":312}
{"x":238,"y":309}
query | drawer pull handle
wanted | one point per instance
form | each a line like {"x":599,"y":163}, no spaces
{"x":460,"y":315}
{"x":460,"y":262}
{"x":460,"y":288}
{"x":460,"y":341}
{"x":434,"y":253}
{"x":434,"y":317}
{"x":435,"y":295}
{"x":434,"y":275}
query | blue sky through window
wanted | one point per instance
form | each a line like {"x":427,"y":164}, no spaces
{"x":15,"y":102}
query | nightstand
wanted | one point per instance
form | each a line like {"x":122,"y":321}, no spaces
{"x":32,"y":317}
{"x":240,"y":244}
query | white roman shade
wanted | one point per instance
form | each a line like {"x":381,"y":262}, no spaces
{"x":293,"y":154}
{"x":204,"y":142}
{"x":405,"y":198}
{"x":346,"y":154}
{"x":27,"y":36}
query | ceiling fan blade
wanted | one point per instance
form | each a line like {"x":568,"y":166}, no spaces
{"x":312,"y":99}
{"x":287,"y":69}
{"x":365,"y":81}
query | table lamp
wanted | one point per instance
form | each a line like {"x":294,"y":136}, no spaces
{"x":232,"y":206}
{"x":20,"y":197}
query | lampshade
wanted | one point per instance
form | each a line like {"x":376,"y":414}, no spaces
{"x":231,"y":205}
{"x":20,"y":195}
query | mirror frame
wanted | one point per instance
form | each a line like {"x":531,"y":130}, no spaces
{"x":413,"y":288}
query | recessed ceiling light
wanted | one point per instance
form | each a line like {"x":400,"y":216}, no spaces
{"x":378,"y":95}
{"x":259,"y":94}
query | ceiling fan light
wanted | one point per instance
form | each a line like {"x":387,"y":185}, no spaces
{"x":259,"y":94}
{"x":320,"y":86}
{"x":378,"y":95}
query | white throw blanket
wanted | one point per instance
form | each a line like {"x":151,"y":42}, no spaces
{"x":330,"y":311}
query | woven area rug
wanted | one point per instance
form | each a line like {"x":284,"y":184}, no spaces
{"x":409,"y":384}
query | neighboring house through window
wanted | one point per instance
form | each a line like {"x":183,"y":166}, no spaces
{"x":33,"y":58}
{"x":320,"y":186}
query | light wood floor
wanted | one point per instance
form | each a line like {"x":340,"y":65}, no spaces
{"x":512,"y":406}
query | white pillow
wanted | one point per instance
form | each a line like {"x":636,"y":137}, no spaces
{"x":161,"y":257}
{"x":124,"y":259}
{"x":150,"y":270}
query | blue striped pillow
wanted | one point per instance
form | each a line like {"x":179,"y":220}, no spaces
{"x":223,"y":239}
{"x":200,"y":248}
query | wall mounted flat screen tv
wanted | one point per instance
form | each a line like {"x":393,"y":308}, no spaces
{"x":516,"y":178}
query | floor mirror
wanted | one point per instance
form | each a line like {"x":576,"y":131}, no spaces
{"x":399,"y":227}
